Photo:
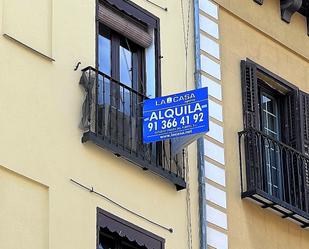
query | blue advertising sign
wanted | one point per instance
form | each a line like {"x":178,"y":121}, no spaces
{"x":175,"y":115}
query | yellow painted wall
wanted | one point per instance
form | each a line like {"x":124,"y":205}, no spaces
{"x":266,"y":18}
{"x":24,"y":212}
{"x":35,"y":31}
{"x":252,"y":31}
{"x":40,"y":103}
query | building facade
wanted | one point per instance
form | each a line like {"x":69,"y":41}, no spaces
{"x":254,"y":59}
{"x":74,"y":172}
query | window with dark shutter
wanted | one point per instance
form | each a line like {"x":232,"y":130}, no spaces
{"x":116,"y":233}
{"x":275,"y":143}
{"x":127,"y":73}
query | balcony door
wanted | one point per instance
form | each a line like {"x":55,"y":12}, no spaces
{"x":270,"y":125}
{"x":120,"y":88}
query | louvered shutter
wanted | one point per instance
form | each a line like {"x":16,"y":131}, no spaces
{"x":124,"y":26}
{"x":291,"y":134}
{"x":304,"y":121}
{"x":304,"y":137}
{"x":251,"y":120}
{"x":250,"y":95}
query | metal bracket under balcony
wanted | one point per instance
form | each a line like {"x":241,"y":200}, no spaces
{"x":112,"y":119}
{"x":274,"y":175}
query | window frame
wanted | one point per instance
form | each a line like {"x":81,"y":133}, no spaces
{"x":133,"y":11}
{"x":262,"y":75}
{"x":116,"y":40}
{"x":263,"y":87}
{"x":289,"y":88}
{"x":296,"y":112}
{"x":265,"y":90}
{"x":273,"y":76}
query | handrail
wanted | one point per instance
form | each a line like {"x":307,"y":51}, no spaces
{"x":115,"y":81}
{"x":251,"y":129}
{"x":112,"y":114}
{"x":291,"y":166}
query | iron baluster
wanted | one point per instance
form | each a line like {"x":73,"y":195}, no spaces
{"x":106,"y":121}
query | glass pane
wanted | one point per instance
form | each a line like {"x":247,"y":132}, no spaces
{"x":103,"y":90}
{"x":150,"y":54}
{"x":264,"y":102}
{"x":104,"y":64}
{"x":126,"y":98}
{"x":270,"y":124}
{"x":125,"y":66}
{"x":104,"y":50}
{"x":271,"y":106}
{"x":264,"y":116}
{"x":103,"y":105}
{"x":270,"y":116}
{"x":126,"y":75}
{"x":106,"y":243}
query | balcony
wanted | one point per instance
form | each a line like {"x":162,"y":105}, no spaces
{"x":112,"y":119}
{"x":274,"y":175}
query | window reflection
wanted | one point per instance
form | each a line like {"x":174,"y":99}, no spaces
{"x":104,"y":61}
{"x":119,"y":109}
{"x":125,"y":66}
{"x":104,"y":49}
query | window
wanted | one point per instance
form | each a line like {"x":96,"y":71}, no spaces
{"x":127,"y":44}
{"x":269,"y":103}
{"x":127,"y":72}
{"x":275,"y":142}
{"x":122,"y":60}
{"x":116,"y":233}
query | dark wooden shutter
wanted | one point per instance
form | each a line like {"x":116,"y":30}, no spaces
{"x":291,"y":134}
{"x":250,"y":95}
{"x":304,"y":122}
{"x":250,"y":99}
{"x":304,"y":137}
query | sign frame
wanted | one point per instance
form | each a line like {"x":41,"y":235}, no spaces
{"x":176,"y":115}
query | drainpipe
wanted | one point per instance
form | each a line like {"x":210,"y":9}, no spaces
{"x":200,"y":141}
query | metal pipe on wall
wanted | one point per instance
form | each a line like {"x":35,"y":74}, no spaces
{"x":200,"y":141}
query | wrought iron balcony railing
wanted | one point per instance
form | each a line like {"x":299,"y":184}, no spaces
{"x":112,"y":119}
{"x":275,"y":175}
